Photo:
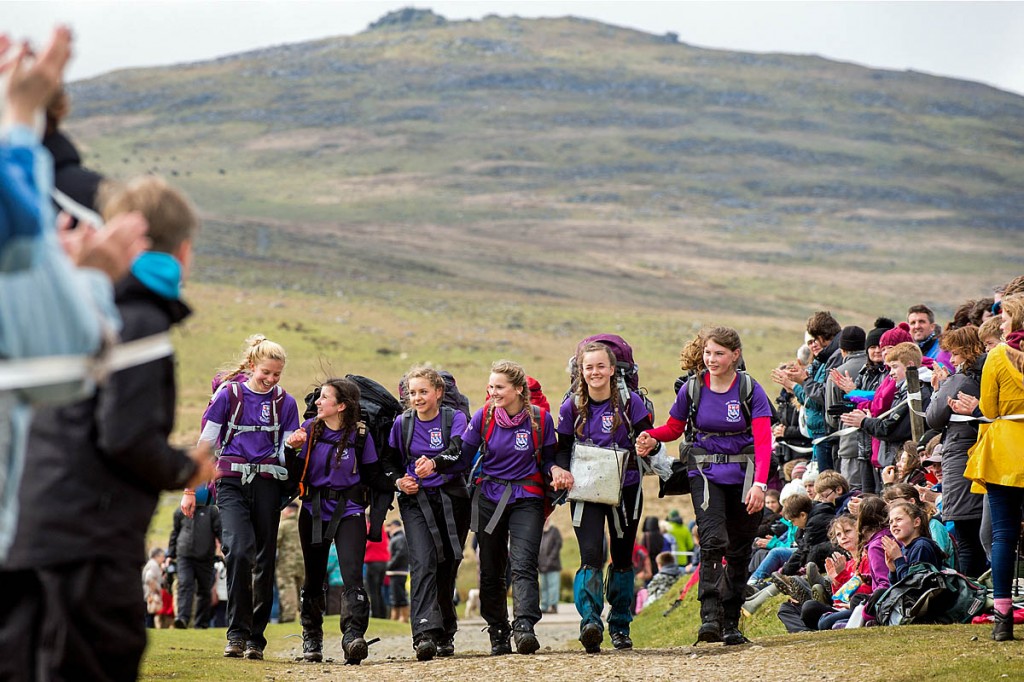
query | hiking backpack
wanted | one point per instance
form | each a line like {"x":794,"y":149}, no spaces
{"x":929,"y":595}
{"x":453,"y":397}
{"x":626,"y":370}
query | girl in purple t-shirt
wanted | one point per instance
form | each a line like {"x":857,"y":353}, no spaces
{"x":596,"y":413}
{"x":727,"y":511}
{"x":424,"y":458}
{"x":338,"y":460}
{"x":254,"y":416}
{"x":508,"y":504}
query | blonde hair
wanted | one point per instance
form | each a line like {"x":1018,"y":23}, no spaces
{"x":991,"y":329}
{"x":829,"y":480}
{"x":257,"y":349}
{"x":908,"y":353}
{"x":432,"y":376}
{"x":516,"y":376}
{"x":172,"y":218}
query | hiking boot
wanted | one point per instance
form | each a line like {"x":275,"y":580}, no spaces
{"x":253,"y":651}
{"x":1002,"y":631}
{"x":425,"y":649}
{"x":621,"y":641}
{"x":814,"y":576}
{"x":354,"y":648}
{"x":709,"y":632}
{"x":312,"y":648}
{"x":179,"y":624}
{"x":446,"y":648}
{"x":732,"y":636}
{"x":591,"y":637}
{"x":821,"y":594}
{"x":526,"y":641}
{"x":791,"y":587}
{"x":234,"y":648}
{"x":499,"y":635}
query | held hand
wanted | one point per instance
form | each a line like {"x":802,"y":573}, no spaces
{"x":645,"y":444}
{"x":297,"y":438}
{"x":561,"y":479}
{"x":425,"y":467}
{"x":755,"y":500}
{"x":408,"y":485}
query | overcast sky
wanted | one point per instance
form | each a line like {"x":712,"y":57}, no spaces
{"x":980,"y":41}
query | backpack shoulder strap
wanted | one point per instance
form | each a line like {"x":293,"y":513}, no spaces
{"x":747,"y":395}
{"x":537,"y":428}
{"x":361,"y":435}
{"x":694,"y":386}
{"x":408,"y":427}
{"x":447,"y":420}
{"x":310,"y":442}
{"x":276,"y":407}
{"x":236,"y":407}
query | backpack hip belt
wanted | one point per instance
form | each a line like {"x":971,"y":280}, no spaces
{"x":232,"y":466}
{"x":699,"y":462}
{"x":316,"y":496}
{"x":432,"y":524}
{"x":506,"y":495}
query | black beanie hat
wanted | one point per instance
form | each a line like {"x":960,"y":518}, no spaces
{"x":882,"y":325}
{"x":851,"y":338}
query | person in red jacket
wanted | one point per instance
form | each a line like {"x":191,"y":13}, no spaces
{"x":376,"y":560}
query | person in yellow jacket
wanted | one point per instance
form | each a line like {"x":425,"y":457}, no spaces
{"x":995,"y":465}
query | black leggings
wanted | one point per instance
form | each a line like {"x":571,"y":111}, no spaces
{"x":971,"y":555}
{"x":590,"y":533}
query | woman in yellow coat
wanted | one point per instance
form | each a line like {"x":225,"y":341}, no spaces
{"x":996,"y":462}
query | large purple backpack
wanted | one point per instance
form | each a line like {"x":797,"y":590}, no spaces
{"x":625,"y":368}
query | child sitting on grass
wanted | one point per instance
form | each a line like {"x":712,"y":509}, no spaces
{"x":910,"y":543}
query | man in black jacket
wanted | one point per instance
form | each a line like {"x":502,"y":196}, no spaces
{"x":192,"y":548}
{"x":71,"y":607}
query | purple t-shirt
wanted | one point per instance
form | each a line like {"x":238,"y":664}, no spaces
{"x":326,"y":470}
{"x":254,"y":446}
{"x":722,"y":413}
{"x":598,"y":427}
{"x":427,"y":441}
{"x":510,"y":453}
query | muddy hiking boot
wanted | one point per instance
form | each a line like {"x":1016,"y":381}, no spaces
{"x":253,"y":651}
{"x":355,"y":649}
{"x":425,"y":648}
{"x":234,"y":649}
{"x":591,"y":637}
{"x":446,"y":647}
{"x":312,"y":647}
{"x":731,"y":635}
{"x":791,"y":587}
{"x":525,"y":639}
{"x":499,"y":635}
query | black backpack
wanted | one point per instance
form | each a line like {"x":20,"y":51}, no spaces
{"x":453,"y":397}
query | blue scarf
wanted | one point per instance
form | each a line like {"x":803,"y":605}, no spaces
{"x":160,"y":273}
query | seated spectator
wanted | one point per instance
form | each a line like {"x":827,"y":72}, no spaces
{"x":900,"y":493}
{"x":812,"y":542}
{"x":797,"y":511}
{"x":910,"y":543}
{"x":668,"y":575}
{"x":991,"y":332}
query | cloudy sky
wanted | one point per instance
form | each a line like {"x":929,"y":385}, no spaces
{"x":979,"y":41}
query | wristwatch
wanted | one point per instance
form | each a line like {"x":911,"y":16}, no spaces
{"x":762,"y":486}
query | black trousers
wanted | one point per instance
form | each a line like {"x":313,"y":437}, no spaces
{"x":590,"y":533}
{"x":432,"y":578}
{"x":195,"y":574}
{"x":970,"y":553}
{"x":726,"y":533}
{"x":78,"y":621}
{"x":515,"y":542}
{"x":249,"y":516}
{"x":350,"y":541}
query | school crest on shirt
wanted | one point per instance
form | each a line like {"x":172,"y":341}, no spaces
{"x":345,"y":454}
{"x":606,"y":422}
{"x":265,"y":413}
{"x":732,"y":411}
{"x":522,"y":440}
{"x":435,"y":439}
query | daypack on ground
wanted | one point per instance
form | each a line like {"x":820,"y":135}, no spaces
{"x":929,"y":595}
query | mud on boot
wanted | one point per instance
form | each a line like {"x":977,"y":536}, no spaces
{"x":446,"y":647}
{"x":591,"y":637}
{"x":355,"y":649}
{"x":425,"y":648}
{"x":525,"y":639}
{"x":709,"y":632}
{"x":499,"y":635}
{"x":312,"y":647}
{"x":731,"y":635}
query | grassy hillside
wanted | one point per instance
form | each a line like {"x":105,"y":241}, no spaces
{"x":563,"y":161}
